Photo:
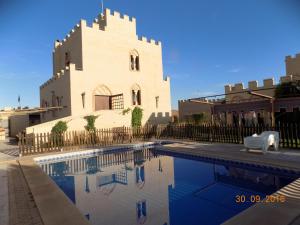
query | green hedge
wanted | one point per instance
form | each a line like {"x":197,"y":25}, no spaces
{"x":90,"y":123}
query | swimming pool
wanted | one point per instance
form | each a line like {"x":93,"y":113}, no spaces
{"x":149,"y":186}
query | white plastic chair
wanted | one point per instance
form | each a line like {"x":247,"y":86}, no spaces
{"x":262,"y":141}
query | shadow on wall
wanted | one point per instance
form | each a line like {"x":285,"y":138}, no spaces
{"x":159,"y":118}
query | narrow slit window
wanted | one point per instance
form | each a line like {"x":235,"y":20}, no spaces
{"x":67,"y":59}
{"x":156,"y":101}
{"x":57,"y":101}
{"x":83,"y":100}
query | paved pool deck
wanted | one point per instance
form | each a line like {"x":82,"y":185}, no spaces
{"x":37,"y":199}
{"x":284,"y":158}
{"x":8,"y":150}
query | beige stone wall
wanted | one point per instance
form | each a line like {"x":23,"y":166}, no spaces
{"x":2,"y":134}
{"x":187,"y":109}
{"x":71,"y":44}
{"x":60,"y":86}
{"x":106,"y":119}
{"x":18,"y":123}
{"x":104,"y":62}
{"x":4,"y":121}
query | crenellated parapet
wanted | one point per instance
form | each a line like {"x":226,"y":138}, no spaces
{"x":252,"y":85}
{"x":59,"y":75}
{"x":77,"y":27}
{"x":167,"y":79}
{"x":203,"y":100}
{"x":149,"y":41}
{"x":291,"y":58}
{"x":125,"y":20}
{"x":110,"y":20}
{"x":119,"y":15}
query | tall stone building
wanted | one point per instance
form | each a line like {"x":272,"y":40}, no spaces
{"x":103,"y":69}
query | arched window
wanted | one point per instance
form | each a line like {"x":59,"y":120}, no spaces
{"x":134,"y":61}
{"x":136,"y":95}
{"x":133,"y":97}
{"x":137,"y":63}
{"x":131,"y":62}
{"x":57,"y":101}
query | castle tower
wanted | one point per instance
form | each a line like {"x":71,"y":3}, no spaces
{"x":104,"y":68}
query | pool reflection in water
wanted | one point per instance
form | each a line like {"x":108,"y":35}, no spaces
{"x":143,"y":187}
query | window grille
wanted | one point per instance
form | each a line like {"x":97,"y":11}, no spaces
{"x":117,"y":101}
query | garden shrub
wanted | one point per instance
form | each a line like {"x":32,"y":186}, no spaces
{"x":136,"y":117}
{"x":60,"y":127}
{"x":90,"y":127}
{"x":57,"y":132}
{"x":198,"y":118}
{"x":287,"y":89}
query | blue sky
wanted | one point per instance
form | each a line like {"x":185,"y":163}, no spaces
{"x":206,"y":43}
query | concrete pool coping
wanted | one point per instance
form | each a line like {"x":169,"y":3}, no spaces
{"x":52,"y":203}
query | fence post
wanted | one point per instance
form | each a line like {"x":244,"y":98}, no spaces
{"x":20,"y":136}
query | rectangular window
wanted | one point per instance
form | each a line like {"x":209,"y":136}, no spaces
{"x":156,"y":101}
{"x":83,"y":99}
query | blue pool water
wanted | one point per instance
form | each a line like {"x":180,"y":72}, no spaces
{"x":152,"y":187}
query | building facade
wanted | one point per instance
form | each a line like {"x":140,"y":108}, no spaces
{"x":104,"y":69}
{"x":241,"y":106}
{"x":233,"y":92}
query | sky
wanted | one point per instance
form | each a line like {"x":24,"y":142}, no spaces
{"x":206,"y":43}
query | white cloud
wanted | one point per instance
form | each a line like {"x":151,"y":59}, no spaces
{"x":234,"y":70}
